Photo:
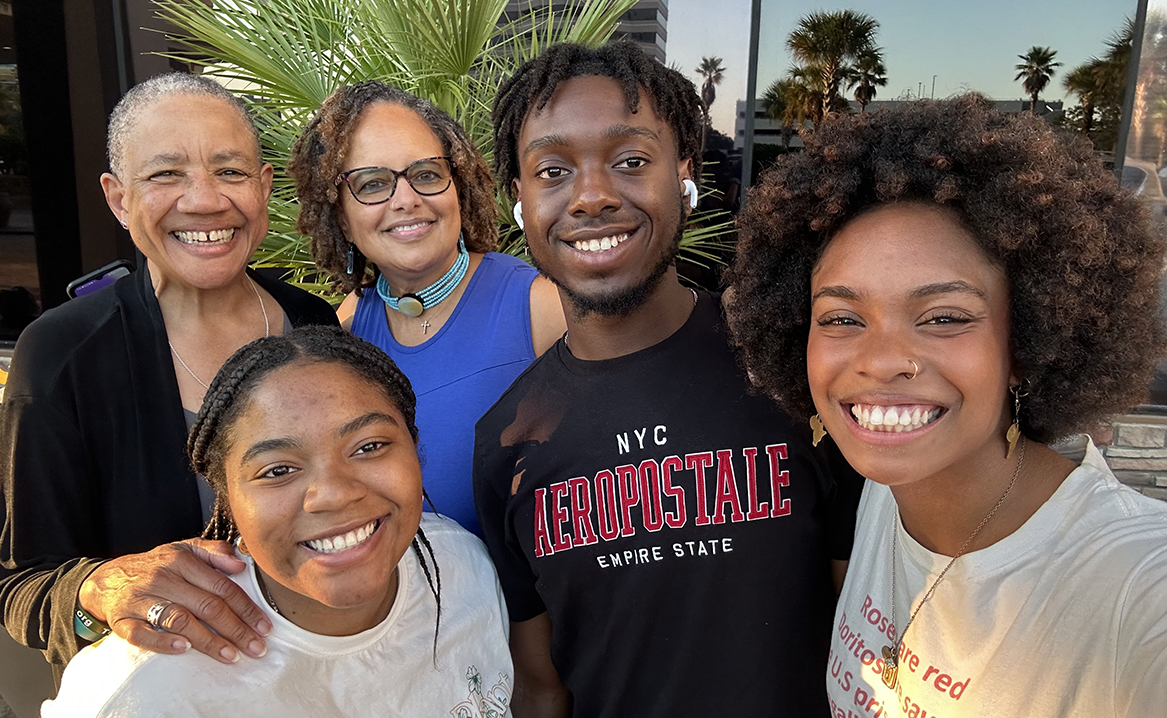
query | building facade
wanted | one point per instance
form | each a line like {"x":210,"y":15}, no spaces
{"x":646,"y":23}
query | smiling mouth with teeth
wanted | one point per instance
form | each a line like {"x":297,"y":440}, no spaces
{"x":600,"y":245}
{"x":343,"y":542}
{"x":898,"y":419}
{"x":215,"y":236}
{"x":407,"y":227}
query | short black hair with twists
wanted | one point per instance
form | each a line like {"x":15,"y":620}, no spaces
{"x":1080,"y":257}
{"x":673,"y":96}
{"x":209,"y":440}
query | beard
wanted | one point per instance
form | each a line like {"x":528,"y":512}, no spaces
{"x":621,"y":302}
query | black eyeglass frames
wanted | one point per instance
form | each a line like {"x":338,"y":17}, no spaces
{"x":375,"y":185}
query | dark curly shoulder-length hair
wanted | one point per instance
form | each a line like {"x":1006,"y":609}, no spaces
{"x":1080,"y":256}
{"x":319,"y":154}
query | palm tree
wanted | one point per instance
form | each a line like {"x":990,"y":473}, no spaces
{"x":805,"y":93}
{"x":868,"y":73}
{"x":1037,"y":67}
{"x":782,"y":102}
{"x":1112,"y":72}
{"x":829,"y":41}
{"x":712,"y":70}
{"x":289,"y":55}
{"x":1085,"y":82}
{"x":1119,"y":44}
{"x":1100,"y":84}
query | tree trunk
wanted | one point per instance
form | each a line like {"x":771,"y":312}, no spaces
{"x":830,"y":87}
{"x":1087,"y":117}
{"x":1033,"y":103}
{"x":705,"y":124}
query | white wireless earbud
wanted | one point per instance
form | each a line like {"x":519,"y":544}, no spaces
{"x":519,"y":214}
{"x":690,"y":192}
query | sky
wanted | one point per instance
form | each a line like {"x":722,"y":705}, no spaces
{"x":967,"y":45}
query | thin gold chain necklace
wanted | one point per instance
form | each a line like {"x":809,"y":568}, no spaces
{"x":266,"y":333}
{"x":891,"y":655}
{"x":266,"y":593}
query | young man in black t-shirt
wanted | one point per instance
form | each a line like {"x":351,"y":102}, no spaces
{"x":663,"y":538}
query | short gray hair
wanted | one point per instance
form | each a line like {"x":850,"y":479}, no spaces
{"x":141,"y":96}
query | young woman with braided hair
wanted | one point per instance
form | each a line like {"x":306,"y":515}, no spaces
{"x":310,"y":443}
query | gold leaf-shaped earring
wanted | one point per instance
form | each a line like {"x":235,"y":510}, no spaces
{"x":1013,"y":434}
{"x":816,"y":425}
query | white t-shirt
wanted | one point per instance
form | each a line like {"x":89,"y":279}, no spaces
{"x":388,"y":670}
{"x":1065,"y":617}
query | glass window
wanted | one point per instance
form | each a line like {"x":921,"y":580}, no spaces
{"x":19,"y":284}
{"x":1144,"y":166}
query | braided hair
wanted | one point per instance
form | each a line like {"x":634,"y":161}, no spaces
{"x":674,"y":98}
{"x":208,"y":442}
{"x":318,"y":157}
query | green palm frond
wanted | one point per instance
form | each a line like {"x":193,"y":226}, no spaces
{"x":704,"y":242}
{"x":284,"y":57}
{"x":293,"y":51}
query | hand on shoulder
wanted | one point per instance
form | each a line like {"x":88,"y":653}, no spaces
{"x":201,"y":607}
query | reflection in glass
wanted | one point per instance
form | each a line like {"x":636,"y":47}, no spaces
{"x":19,"y":284}
{"x":1143,"y":168}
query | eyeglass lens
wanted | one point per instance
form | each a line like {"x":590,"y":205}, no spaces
{"x":377,"y":184}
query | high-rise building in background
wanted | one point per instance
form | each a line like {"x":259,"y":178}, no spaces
{"x":645,"y":23}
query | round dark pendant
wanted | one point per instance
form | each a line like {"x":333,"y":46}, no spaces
{"x":410,"y":305}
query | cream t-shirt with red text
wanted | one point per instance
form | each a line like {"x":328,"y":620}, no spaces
{"x":389,"y":671}
{"x":1065,"y":617}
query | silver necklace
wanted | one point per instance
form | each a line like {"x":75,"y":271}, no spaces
{"x":266,"y":594}
{"x":694,"y":291}
{"x":891,"y":655}
{"x":266,"y":333}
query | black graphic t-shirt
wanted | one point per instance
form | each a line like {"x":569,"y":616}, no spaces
{"x":677,"y":529}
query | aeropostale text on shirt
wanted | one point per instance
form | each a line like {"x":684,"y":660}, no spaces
{"x":583,"y":510}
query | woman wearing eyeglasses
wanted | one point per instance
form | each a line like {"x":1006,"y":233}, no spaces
{"x":386,"y":178}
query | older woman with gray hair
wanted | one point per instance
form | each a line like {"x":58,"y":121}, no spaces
{"x":98,"y":495}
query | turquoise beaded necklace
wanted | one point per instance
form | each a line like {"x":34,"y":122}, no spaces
{"x":413,"y":304}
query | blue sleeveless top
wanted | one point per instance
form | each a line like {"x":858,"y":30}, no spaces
{"x":460,"y":372}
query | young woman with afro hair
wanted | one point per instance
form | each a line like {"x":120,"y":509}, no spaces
{"x":948,"y":289}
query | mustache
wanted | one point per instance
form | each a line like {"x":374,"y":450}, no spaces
{"x":591,"y":224}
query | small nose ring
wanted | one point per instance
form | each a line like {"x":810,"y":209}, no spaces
{"x":915,"y":369}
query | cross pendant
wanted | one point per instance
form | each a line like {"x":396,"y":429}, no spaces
{"x":425,"y":325}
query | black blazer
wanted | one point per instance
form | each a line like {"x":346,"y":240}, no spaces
{"x":92,"y":451}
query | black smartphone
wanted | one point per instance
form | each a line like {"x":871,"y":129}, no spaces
{"x":98,"y":278}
